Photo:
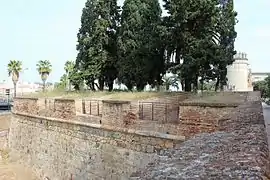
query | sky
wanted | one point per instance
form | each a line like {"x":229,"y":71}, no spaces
{"x":34,"y":30}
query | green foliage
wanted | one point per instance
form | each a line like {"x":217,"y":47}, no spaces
{"x":14,"y":69}
{"x":69,"y":68}
{"x":264,"y":87}
{"x":202,"y":36}
{"x":63,"y":82}
{"x":97,"y":43}
{"x":194,"y":41}
{"x":170,"y":81}
{"x":77,"y":79}
{"x":44,"y":68}
{"x":139,"y":56}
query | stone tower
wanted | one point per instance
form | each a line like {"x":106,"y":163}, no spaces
{"x":239,"y":74}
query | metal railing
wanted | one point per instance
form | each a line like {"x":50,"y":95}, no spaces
{"x":92,"y":107}
{"x":159,"y":111}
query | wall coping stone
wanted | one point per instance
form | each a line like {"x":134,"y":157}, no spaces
{"x":116,"y":102}
{"x":209,"y":104}
{"x":108,"y":127}
{"x":26,"y":98}
{"x":64,"y":99}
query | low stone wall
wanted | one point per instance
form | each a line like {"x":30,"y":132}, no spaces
{"x":186,"y":119}
{"x":198,"y":117}
{"x":61,"y":148}
{"x":239,"y":150}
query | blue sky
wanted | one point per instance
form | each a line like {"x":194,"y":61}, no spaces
{"x":32,"y":30}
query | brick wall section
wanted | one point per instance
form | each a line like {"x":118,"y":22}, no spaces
{"x":238,"y":150}
{"x":27,"y":105}
{"x":58,"y":108}
{"x":114,"y":112}
{"x":64,"y":108}
{"x":193,"y":118}
{"x":202,"y":117}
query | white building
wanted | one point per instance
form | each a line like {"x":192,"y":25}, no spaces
{"x":239,"y":74}
{"x":259,"y":76}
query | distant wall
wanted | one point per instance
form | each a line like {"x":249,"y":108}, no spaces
{"x":238,"y":150}
{"x":203,"y":117}
{"x":59,"y":145}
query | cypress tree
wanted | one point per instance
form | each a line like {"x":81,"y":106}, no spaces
{"x":97,"y":43}
{"x":137,"y":49}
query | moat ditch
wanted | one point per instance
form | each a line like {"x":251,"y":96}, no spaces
{"x":11,"y":169}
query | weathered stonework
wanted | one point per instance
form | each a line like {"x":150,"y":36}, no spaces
{"x":114,"y":112}
{"x":28,"y":105}
{"x":5,"y":118}
{"x":238,"y":150}
{"x":175,"y":118}
{"x":203,"y":117}
{"x":63,"y":140}
{"x":58,"y":148}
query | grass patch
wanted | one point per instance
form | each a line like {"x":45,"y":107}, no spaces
{"x":115,"y":95}
{"x":217,"y":97}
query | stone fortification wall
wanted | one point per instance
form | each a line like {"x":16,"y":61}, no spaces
{"x":64,"y":138}
{"x":52,"y":141}
{"x":238,"y":150}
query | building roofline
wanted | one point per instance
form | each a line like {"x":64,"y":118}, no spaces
{"x":261,"y":73}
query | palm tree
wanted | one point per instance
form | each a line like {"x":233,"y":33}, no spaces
{"x":69,"y":67}
{"x":44,"y":68}
{"x":170,"y":81}
{"x":14,"y":69}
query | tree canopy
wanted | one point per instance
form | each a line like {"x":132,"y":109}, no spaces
{"x":138,"y":46}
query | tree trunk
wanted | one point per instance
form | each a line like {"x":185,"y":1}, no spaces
{"x":195,"y":84}
{"x":69,"y":85}
{"x":68,"y":82}
{"x":140,"y":87}
{"x":201,"y":81}
{"x":44,"y":85}
{"x":187,"y":85}
{"x":101,"y":84}
{"x":15,"y":88}
{"x":217,"y":83}
{"x":167,"y":86}
{"x":110,"y":85}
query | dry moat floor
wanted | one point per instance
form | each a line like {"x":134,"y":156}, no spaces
{"x":9,"y":168}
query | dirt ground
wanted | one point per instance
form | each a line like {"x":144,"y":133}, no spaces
{"x":10,"y":169}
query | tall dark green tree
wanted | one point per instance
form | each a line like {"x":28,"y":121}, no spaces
{"x":97,"y":43}
{"x":140,"y":56}
{"x":192,"y":28}
{"x":227,"y":35}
